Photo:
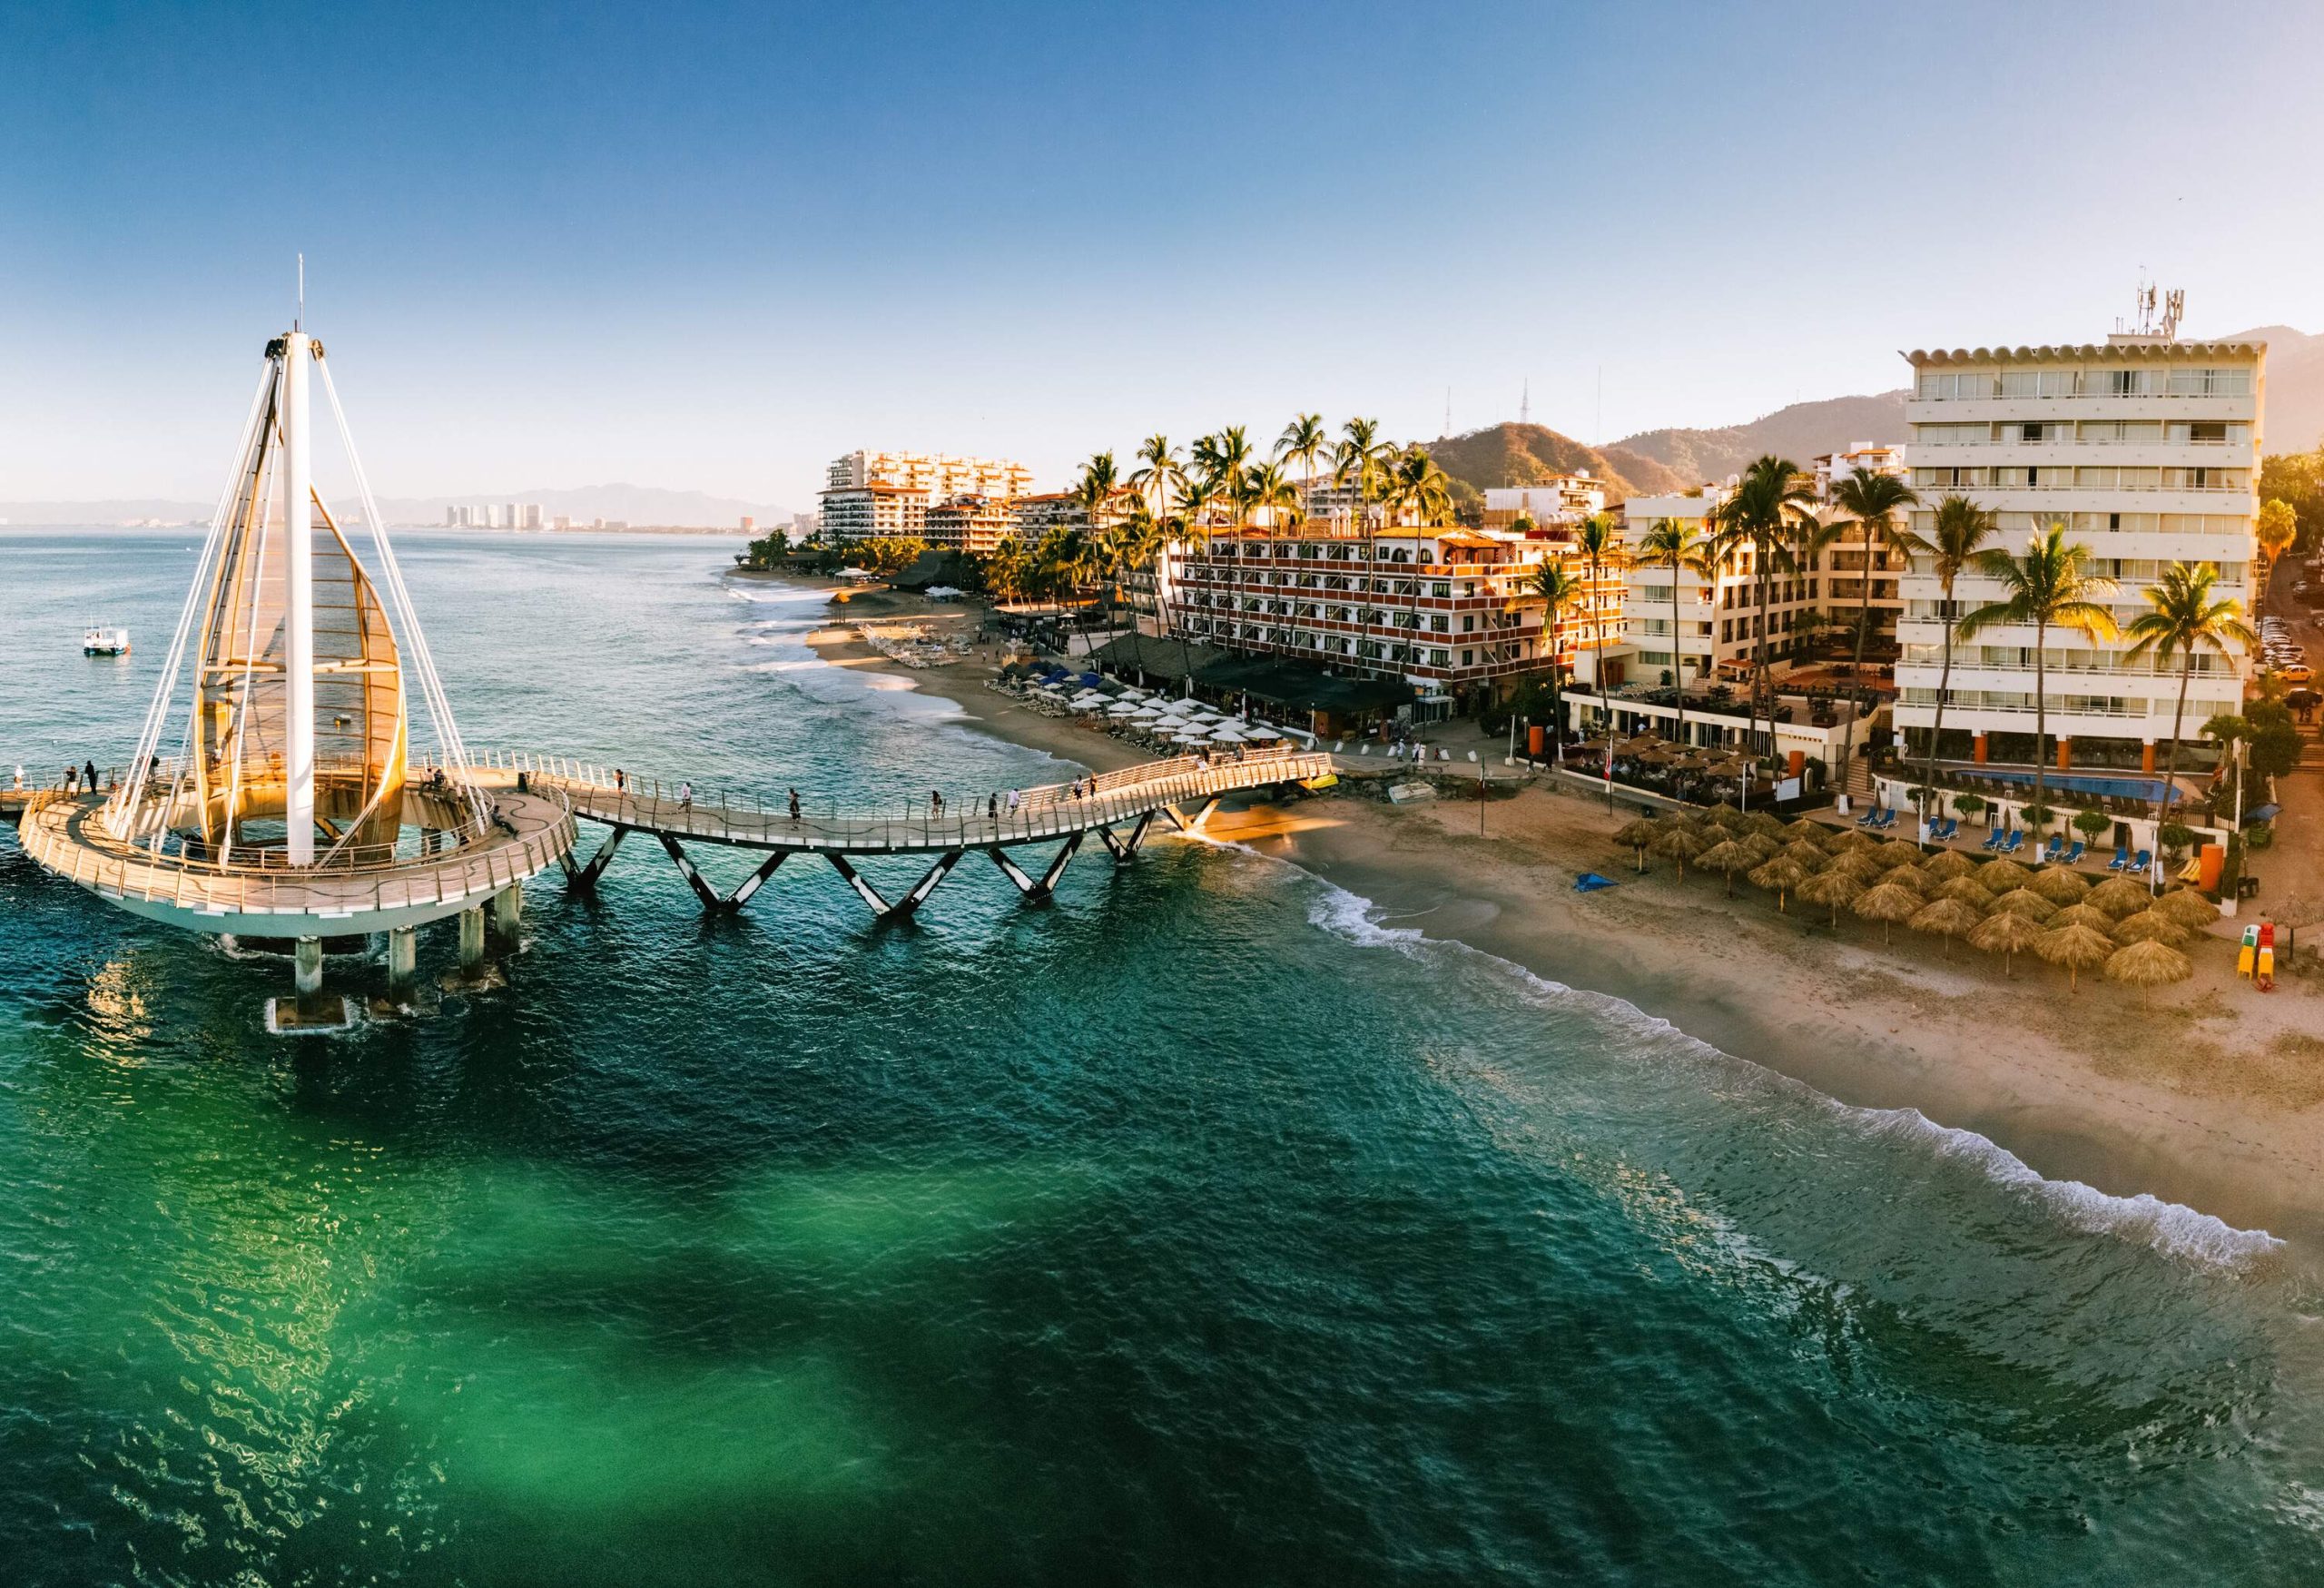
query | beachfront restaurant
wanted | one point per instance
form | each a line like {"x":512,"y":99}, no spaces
{"x":1806,"y":727}
{"x":1289,"y":694}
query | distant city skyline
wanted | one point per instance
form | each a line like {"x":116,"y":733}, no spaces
{"x":712,"y":247}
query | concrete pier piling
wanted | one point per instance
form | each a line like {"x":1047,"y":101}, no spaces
{"x":403,"y":958}
{"x":508,"y":906}
{"x":472,"y":938}
{"x":306,"y":976}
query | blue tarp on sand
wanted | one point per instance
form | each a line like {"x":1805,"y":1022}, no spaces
{"x":1591,"y":882}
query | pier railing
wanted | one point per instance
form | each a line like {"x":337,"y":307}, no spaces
{"x":994,"y":817}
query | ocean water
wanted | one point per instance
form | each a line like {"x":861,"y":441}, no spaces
{"x":1201,"y":1229}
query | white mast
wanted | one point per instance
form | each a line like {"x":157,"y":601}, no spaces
{"x":297,"y":606}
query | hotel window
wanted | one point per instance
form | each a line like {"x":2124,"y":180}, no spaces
{"x":1468,"y":623}
{"x":1439,"y":624}
{"x":1437,"y":659}
{"x":1468,"y":659}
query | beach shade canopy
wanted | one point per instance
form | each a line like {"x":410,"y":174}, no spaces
{"x":2060,"y":886}
{"x":1226,"y":735}
{"x":1833,"y":889}
{"x":2118,"y":896}
{"x":1948,"y":918}
{"x":2146,"y":965}
{"x":1778,"y":876}
{"x":1806,"y":857}
{"x":2087,"y":915}
{"x":1727,"y":858}
{"x":1948,"y":866}
{"x":1261,"y":733}
{"x":1812,"y":831}
{"x":2188,"y":908}
{"x":1123,"y":709}
{"x":1678,"y":843}
{"x":1763,"y":846}
{"x":1905,"y":874}
{"x":2026,"y":902}
{"x":2150,"y":926}
{"x":2005,"y":934}
{"x":1188,"y":739}
{"x":2000,"y":876}
{"x":1863,"y":864}
{"x":2078,"y":948}
{"x":1852,"y":840}
{"x":1640,"y":833}
{"x":1760,"y":822}
{"x":1887,"y":903}
{"x":1724,"y":815}
{"x":1967,"y":891}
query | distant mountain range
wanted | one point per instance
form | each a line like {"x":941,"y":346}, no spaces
{"x":1654,"y":462}
{"x":644,"y":505}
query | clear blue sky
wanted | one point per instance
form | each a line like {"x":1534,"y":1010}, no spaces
{"x":712,"y":245}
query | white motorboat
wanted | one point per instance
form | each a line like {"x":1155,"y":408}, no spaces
{"x":104,"y":642}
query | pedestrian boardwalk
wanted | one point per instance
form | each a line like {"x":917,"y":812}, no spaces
{"x":1120,"y":807}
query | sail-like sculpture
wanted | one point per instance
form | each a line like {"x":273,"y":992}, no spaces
{"x":358,"y":724}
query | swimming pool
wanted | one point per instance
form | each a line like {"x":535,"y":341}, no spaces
{"x":2121,"y":786}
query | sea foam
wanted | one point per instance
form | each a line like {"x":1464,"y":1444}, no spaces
{"x":2172,"y":1229}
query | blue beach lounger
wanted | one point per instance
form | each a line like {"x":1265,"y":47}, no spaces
{"x":2122,"y":857}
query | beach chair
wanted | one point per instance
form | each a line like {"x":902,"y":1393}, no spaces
{"x":2075,"y":854}
{"x":2145,"y":859}
{"x":1888,"y":819}
{"x":2057,"y":846}
{"x":1871,"y":818}
{"x":1995,"y":839}
{"x":2122,"y":857}
{"x":1948,"y":829}
{"x":2016,"y":842}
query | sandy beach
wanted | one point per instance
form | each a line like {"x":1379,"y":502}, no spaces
{"x":2208,"y":1097}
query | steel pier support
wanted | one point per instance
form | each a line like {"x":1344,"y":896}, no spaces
{"x":1037,"y":892}
{"x":587,"y":875}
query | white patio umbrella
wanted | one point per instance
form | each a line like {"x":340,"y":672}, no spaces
{"x":1122,"y":708}
{"x":1188,"y":739}
{"x":1224,"y":736}
{"x":1261,"y":732}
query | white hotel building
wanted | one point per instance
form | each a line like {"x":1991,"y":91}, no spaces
{"x":868,"y":494}
{"x":2147,"y":448}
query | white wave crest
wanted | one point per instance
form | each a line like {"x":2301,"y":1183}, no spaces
{"x":2172,"y":1229}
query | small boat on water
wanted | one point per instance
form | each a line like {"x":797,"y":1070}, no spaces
{"x":104,"y":642}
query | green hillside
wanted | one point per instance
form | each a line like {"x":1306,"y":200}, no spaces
{"x":1513,"y":454}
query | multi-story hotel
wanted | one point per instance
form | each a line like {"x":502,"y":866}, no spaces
{"x":1562,"y":499}
{"x":2147,"y":450}
{"x":1718,"y":619}
{"x":1451,"y":610}
{"x":889,"y":493}
{"x":970,"y":523}
{"x":1837,"y":580}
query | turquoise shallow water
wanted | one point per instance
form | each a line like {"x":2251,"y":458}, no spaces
{"x":1198,"y":1229}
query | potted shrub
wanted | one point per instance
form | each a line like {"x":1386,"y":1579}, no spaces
{"x":2175,"y":837}
{"x":2090,"y":825}
{"x":1970,"y":805}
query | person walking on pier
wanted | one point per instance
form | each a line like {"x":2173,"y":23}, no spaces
{"x":685,"y":795}
{"x":992,"y":807}
{"x":621,"y":781}
{"x":71,"y":778}
{"x":935,"y":803}
{"x":1012,"y":801}
{"x":794,"y":807}
{"x":89,"y":772}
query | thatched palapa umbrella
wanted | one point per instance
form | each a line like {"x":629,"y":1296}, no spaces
{"x":2000,"y":875}
{"x":1968,"y":891}
{"x":2005,"y":934}
{"x":2059,"y":885}
{"x":1949,"y":917}
{"x":1888,"y":903}
{"x":1834,"y":886}
{"x":1863,"y":864}
{"x":1806,"y":857}
{"x":1723,"y":815}
{"x":1853,"y":840}
{"x":1763,"y":846}
{"x":2088,"y":915}
{"x":2118,"y":896}
{"x":1640,"y":834}
{"x":2188,"y":908}
{"x":1949,"y":865}
{"x":1681,"y":845}
{"x":2026,"y":902}
{"x":1905,"y":874}
{"x":2148,"y":965}
{"x":1778,"y":876}
{"x":2150,"y":926}
{"x":1727,"y":858}
{"x":1760,"y":822}
{"x":2078,"y":948}
{"x":1812,"y":831}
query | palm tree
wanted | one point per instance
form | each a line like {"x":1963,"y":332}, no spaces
{"x":1953,"y":547}
{"x":1266,"y":489}
{"x":2050,"y":587}
{"x":1304,"y":441}
{"x":1556,"y":584}
{"x":1158,"y":473}
{"x":1230,"y":459}
{"x":1598,"y":539}
{"x":1197,"y":491}
{"x":1871,"y":502}
{"x":1007,"y":568}
{"x":2184,"y":618}
{"x":1357,"y":460}
{"x":1673,"y":543}
{"x":1416,"y":484}
{"x":1758,"y":512}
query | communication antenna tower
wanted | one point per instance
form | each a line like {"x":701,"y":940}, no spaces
{"x":1525,"y":403}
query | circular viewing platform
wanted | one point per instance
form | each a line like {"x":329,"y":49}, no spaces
{"x":66,"y":835}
